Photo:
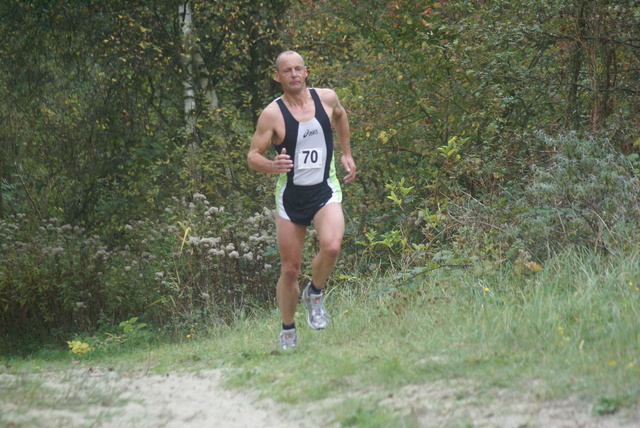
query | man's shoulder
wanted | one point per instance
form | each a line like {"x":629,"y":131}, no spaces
{"x":327,"y":95}
{"x":271,"y":109}
{"x":270,"y":118}
{"x":325,"y":92}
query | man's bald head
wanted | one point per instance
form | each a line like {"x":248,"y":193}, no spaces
{"x":287,"y":53}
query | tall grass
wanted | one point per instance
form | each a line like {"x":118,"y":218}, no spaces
{"x":569,"y":329}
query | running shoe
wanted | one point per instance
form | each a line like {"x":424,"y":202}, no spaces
{"x":316,"y":315}
{"x":288,"y":339}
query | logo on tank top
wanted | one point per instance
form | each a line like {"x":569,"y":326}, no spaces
{"x":309,"y":133}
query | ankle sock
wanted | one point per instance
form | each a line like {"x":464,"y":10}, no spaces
{"x":288,"y":326}
{"x":314,"y":289}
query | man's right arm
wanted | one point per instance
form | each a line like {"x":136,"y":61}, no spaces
{"x":264,"y":134}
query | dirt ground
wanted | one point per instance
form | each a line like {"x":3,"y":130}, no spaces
{"x":90,"y":398}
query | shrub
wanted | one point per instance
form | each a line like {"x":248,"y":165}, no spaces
{"x":49,"y":278}
{"x":198,"y":262}
{"x":587,"y":195}
{"x":219,"y":261}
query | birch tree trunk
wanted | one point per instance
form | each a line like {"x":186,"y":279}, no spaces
{"x":196,"y":80}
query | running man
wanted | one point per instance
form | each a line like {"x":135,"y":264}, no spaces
{"x":299,"y":124}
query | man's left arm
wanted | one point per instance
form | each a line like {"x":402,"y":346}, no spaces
{"x":341,"y":124}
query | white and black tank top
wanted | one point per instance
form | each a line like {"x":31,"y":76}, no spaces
{"x":310,"y":145}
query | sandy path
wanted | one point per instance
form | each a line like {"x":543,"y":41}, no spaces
{"x":91,"y":398}
{"x":195,"y":400}
{"x":198,"y":400}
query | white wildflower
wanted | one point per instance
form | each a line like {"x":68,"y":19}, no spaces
{"x":208,"y":242}
{"x":101,"y":254}
{"x":211,"y":211}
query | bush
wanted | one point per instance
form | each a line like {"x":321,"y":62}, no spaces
{"x":218,"y":262}
{"x":587,"y":195}
{"x":199,"y":263}
{"x":580,"y":192}
{"x":49,"y":278}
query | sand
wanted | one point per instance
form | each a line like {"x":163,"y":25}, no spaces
{"x":84,"y":397}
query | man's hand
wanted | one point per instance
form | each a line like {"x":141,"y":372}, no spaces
{"x":282,"y":162}
{"x":350,"y":167}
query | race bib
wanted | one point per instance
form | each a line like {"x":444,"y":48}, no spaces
{"x":309,"y":158}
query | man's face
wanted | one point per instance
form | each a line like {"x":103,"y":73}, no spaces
{"x":291,"y":72}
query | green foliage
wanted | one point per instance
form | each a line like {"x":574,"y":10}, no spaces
{"x":94,"y":111}
{"x":129,"y":334}
{"x":239,"y":41}
{"x":132,"y":326}
{"x":220,"y":264}
{"x":491,"y":74}
{"x":79,"y":348}
{"x":50,"y":279}
{"x":201,"y":262}
{"x":608,"y":405}
{"x":585,"y":195}
{"x":409,"y":241}
{"x":93,"y":118}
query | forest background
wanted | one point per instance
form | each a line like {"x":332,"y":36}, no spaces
{"x":487,"y":134}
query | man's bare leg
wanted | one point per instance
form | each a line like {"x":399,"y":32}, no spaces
{"x":329,"y":223}
{"x":290,"y":237}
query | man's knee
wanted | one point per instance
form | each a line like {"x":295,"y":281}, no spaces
{"x":331,"y":248}
{"x":290,"y":271}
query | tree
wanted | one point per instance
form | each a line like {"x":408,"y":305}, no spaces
{"x":89,"y":104}
{"x":449,"y":95}
{"x":96,"y":110}
{"x":606,"y":31}
{"x":196,"y":75}
{"x":238,"y":42}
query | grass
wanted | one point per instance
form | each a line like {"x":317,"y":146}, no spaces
{"x":569,"y":330}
